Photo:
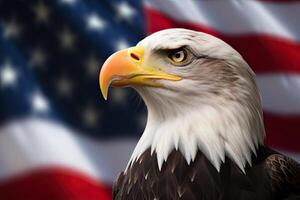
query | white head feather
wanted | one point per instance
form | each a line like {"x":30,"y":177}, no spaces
{"x":215,"y":108}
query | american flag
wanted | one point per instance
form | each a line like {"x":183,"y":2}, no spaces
{"x":60,"y":140}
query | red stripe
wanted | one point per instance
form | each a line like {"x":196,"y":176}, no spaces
{"x":53,"y":183}
{"x":264,"y":53}
{"x":283,"y":132}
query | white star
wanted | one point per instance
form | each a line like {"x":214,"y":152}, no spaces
{"x":39,"y":103}
{"x":121,"y":44}
{"x":38,"y":57}
{"x":125,"y":11}
{"x":119,"y":96}
{"x":94,"y":22}
{"x":92,"y":66}
{"x":67,"y":39}
{"x":8,"y":75}
{"x":90,"y":117}
{"x":41,"y":12}
{"x":71,"y":2}
{"x":11,"y":29}
{"x":65,"y":87}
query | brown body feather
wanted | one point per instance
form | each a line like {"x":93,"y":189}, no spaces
{"x":271,"y":176}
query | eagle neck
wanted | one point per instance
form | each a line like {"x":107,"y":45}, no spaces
{"x":232,"y":129}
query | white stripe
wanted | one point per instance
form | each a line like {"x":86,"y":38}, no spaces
{"x":280,"y":93}
{"x":294,"y":155}
{"x":236,"y":17}
{"x":34,"y":143}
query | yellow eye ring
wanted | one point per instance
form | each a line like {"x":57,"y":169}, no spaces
{"x":178,"y":56}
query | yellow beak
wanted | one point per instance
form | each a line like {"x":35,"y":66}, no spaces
{"x":125,"y":68}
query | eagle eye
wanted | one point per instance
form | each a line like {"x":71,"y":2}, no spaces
{"x":178,"y":56}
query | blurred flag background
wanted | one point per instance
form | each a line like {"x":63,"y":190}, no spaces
{"x":60,"y":140}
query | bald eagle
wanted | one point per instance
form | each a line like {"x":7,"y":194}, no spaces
{"x":204,"y":137}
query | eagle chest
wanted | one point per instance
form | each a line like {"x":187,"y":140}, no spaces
{"x":178,"y":180}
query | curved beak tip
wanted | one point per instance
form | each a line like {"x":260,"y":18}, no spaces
{"x":104,"y":90}
{"x":104,"y":96}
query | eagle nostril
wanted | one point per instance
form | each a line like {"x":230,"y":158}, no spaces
{"x":135,"y":57}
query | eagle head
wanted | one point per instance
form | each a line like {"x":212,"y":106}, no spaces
{"x":200,"y":96}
